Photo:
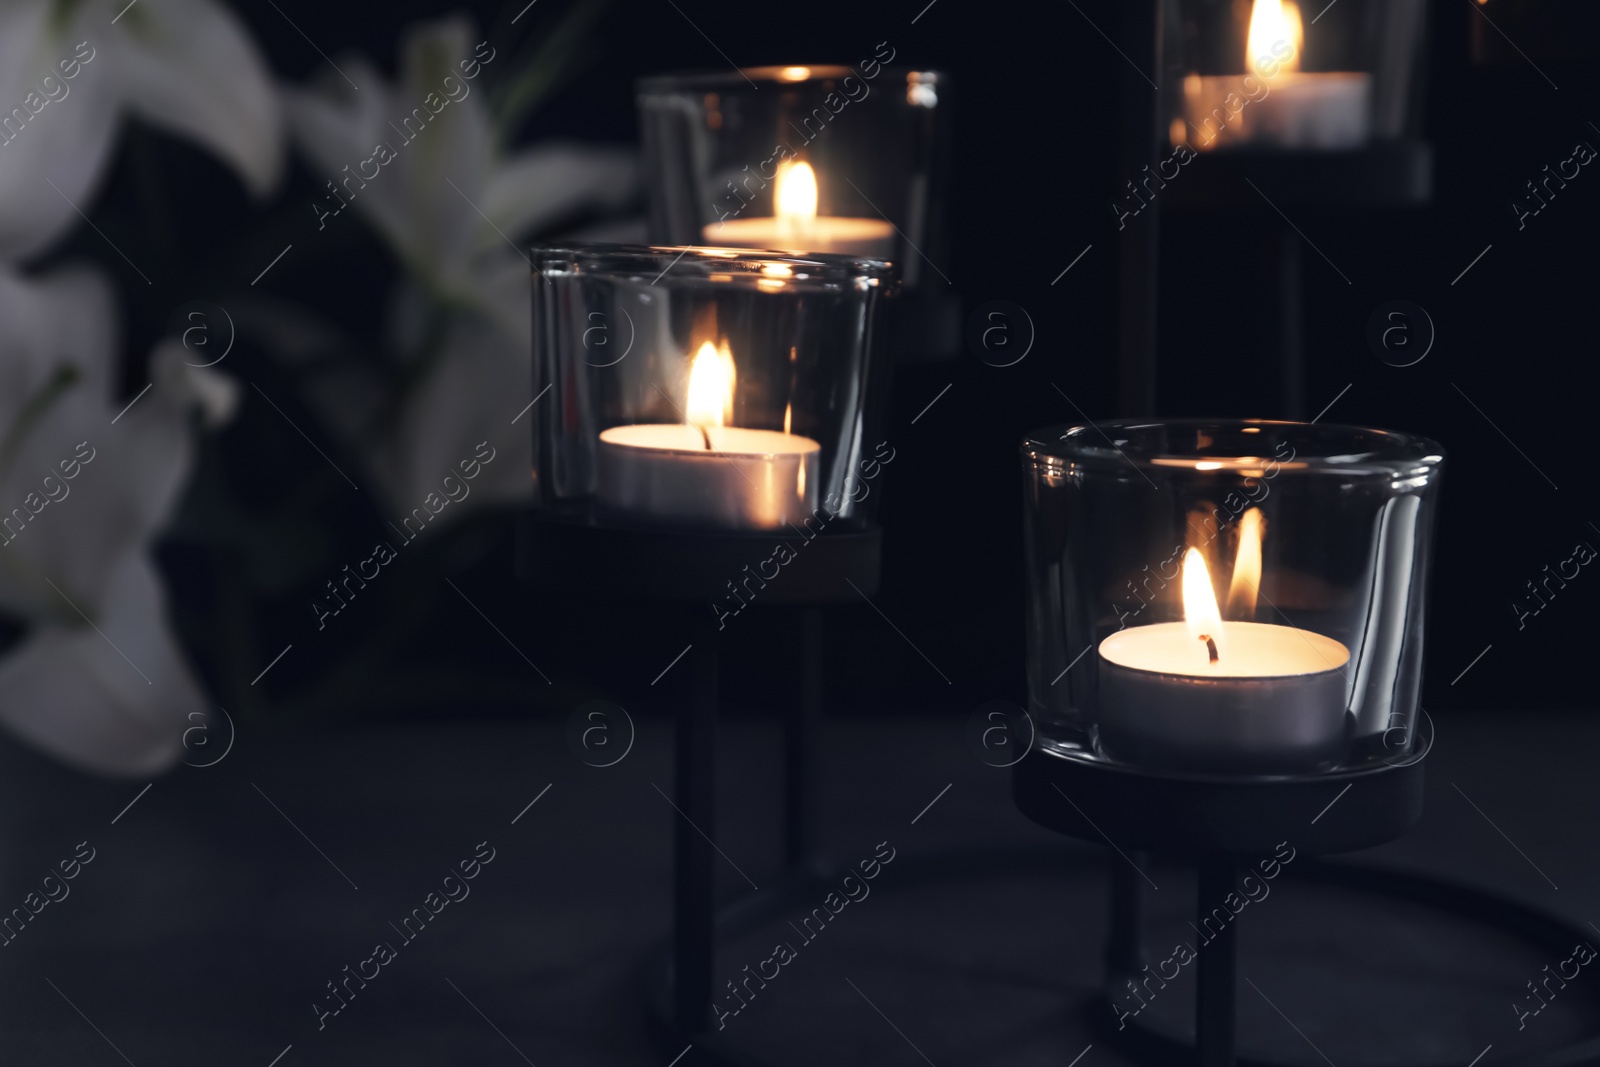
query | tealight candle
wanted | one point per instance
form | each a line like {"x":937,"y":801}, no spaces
{"x":796,"y":226}
{"x":1228,"y":696}
{"x":703,"y":472}
{"x":1329,"y":110}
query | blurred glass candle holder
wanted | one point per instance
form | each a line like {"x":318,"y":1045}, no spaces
{"x":704,"y":388}
{"x":1228,"y":597}
{"x":1267,"y":74}
{"x":824,"y":159}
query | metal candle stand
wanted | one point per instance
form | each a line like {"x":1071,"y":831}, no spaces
{"x":1227,"y":186}
{"x":689,"y":568}
{"x":1218,"y":824}
{"x":1385,"y":173}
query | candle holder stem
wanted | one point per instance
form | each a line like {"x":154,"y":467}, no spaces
{"x":1284,"y":257}
{"x":800,"y":747}
{"x":694,"y":884}
{"x":1214,"y":1008}
{"x":1125,"y":941}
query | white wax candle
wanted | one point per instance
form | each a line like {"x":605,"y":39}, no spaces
{"x":869,"y":238}
{"x":1274,"y":104}
{"x":1274,"y":700}
{"x":747,"y":479}
{"x":1327,"y":111}
{"x":1253,"y":650}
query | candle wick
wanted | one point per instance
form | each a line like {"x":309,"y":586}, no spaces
{"x":707,"y":435}
{"x":1211,"y":646}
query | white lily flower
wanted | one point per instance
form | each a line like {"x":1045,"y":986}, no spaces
{"x":481,"y":377}
{"x":71,"y":69}
{"x":418,"y":159}
{"x":97,"y":679}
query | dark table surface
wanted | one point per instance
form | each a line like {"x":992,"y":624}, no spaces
{"x":219,"y":905}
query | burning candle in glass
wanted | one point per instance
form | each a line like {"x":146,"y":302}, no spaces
{"x":1210,"y":694}
{"x":1274,"y":103}
{"x":703,"y":471}
{"x":795,"y":224}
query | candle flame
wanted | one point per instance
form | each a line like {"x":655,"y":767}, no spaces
{"x":796,"y":196}
{"x":1246,"y":581}
{"x":1274,"y":22}
{"x":711,"y":378}
{"x":1200,"y":604}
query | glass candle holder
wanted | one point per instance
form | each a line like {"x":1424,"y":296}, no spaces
{"x":1271,"y":74}
{"x":830,"y":159}
{"x":1230,"y":597}
{"x":706,"y":388}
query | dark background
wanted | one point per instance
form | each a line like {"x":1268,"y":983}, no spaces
{"x":393,"y":742}
{"x":1034,"y":117}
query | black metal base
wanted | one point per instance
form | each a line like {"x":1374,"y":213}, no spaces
{"x":1218,"y":822}
{"x":1147,"y":1043}
{"x":1158,"y":1047}
{"x":1198,"y":816}
{"x":1386,"y":174}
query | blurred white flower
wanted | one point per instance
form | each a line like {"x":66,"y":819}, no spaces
{"x":214,"y":394}
{"x":97,"y":679}
{"x":419,"y":160}
{"x":71,"y":69}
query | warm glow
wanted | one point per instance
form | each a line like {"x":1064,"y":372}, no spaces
{"x":1246,"y":582}
{"x":1200,"y":604}
{"x":797,"y":194}
{"x":795,"y":74}
{"x":1271,"y":22}
{"x":773,"y":277}
{"x":710,"y":387}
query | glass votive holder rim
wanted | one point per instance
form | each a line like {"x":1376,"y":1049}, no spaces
{"x":769,"y":271}
{"x":1147,"y":447}
{"x":777,"y":74}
